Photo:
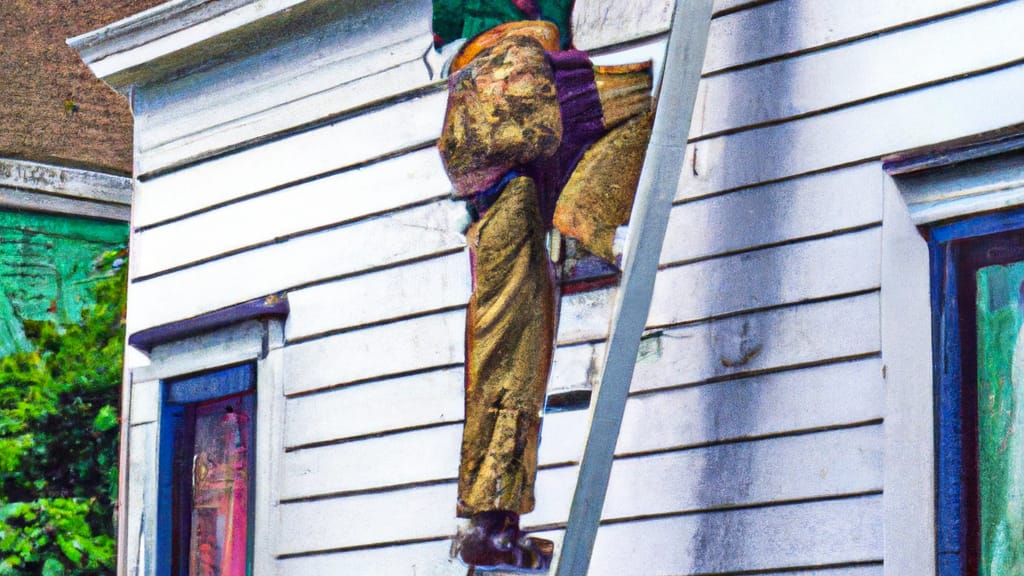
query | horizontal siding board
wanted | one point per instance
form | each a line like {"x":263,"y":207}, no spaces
{"x":235,"y":90}
{"x":793,"y":401}
{"x":788,"y":468}
{"x":773,"y":213}
{"x":410,"y":457}
{"x":406,"y":235}
{"x":388,"y":185}
{"x":388,"y":349}
{"x":573,"y":366}
{"x":392,"y":293}
{"x":585,"y":315}
{"x":431,"y":559}
{"x":774,"y":29}
{"x":343,"y":143}
{"x":730,"y":347}
{"x":731,"y":5}
{"x":369,"y":353}
{"x":425,"y":399}
{"x":866,"y":131}
{"x":347,"y":48}
{"x":420,"y":559}
{"x":599,"y":23}
{"x":422,"y":287}
{"x":778,"y":469}
{"x":414,"y":513}
{"x":827,"y":532}
{"x":309,"y":108}
{"x":883,"y":64}
{"x":873,"y":570}
{"x":740,"y":541}
{"x":768,"y":277}
{"x":602,"y":23}
{"x":790,"y":336}
{"x":770,"y":340}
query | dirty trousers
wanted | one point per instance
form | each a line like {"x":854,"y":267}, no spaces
{"x":583,"y":184}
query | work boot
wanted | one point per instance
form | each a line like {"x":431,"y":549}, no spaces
{"x":493,"y":541}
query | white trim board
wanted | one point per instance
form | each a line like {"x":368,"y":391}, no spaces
{"x":145,"y":46}
{"x":963,"y":189}
{"x":909,"y":492}
{"x":26,"y":185}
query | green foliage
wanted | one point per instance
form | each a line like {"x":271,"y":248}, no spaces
{"x":58,"y":439}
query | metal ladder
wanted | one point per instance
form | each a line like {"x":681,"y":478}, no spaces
{"x":659,"y":179}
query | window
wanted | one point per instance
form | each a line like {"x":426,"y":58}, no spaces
{"x":952,"y":231}
{"x":978,"y":280}
{"x":205,"y":424}
{"x":207,"y":469}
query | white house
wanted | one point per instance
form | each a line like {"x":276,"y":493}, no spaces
{"x":293,"y":240}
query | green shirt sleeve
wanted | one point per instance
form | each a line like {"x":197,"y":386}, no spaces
{"x":466,"y":18}
{"x":447,"y":20}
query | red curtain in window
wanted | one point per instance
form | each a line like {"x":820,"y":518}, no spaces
{"x":221,"y":471}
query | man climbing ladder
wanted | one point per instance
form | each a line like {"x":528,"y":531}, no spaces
{"x":535,"y":136}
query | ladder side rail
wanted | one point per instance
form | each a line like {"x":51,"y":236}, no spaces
{"x":659,"y":180}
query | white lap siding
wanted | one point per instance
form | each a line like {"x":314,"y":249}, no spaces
{"x":753,"y":437}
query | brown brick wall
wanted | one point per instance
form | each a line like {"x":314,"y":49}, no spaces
{"x":38,"y":72}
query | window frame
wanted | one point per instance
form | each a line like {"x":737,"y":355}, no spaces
{"x":975,"y":181}
{"x":258,"y":342}
{"x":959,"y":250}
{"x":182,"y":404}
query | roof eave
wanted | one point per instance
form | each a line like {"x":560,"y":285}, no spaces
{"x":169,"y":37}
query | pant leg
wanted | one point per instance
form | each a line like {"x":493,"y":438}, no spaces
{"x":598,"y":195}
{"x":509,"y":343}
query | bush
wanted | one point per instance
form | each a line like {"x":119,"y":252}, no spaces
{"x":59,"y":439}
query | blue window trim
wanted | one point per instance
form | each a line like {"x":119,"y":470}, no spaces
{"x":178,"y":394}
{"x":957,"y":250}
{"x":951,"y":533}
{"x":977,"y":226}
{"x":210,"y":385}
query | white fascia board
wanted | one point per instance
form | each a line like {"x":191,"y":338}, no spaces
{"x":64,"y":181}
{"x":144,"y":46}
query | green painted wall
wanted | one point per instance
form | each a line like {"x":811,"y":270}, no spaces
{"x":46,"y":265}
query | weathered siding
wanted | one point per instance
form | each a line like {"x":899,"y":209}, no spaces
{"x":779,"y":209}
{"x":754,"y":435}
